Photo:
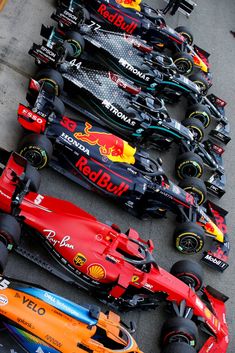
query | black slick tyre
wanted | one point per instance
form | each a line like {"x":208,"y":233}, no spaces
{"x":37,"y":149}
{"x":184,"y":63}
{"x":196,"y":187}
{"x":196,"y":127}
{"x":186,"y":33}
{"x":52,"y":78}
{"x":200,"y":112}
{"x":189,"y":164}
{"x":189,"y":272}
{"x":189,"y":238}
{"x":179,"y":329}
{"x":200,"y":80}
{"x":10,"y":231}
{"x":178,"y":347}
{"x":77,"y":43}
{"x":32,"y":174}
{"x":3,"y":257}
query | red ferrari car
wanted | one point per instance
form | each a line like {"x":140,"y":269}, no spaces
{"x":117,"y":268}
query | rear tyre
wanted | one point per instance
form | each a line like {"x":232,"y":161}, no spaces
{"x":201,"y":81}
{"x":179,"y":329}
{"x":189,"y":272}
{"x":195,"y":187}
{"x":53,"y":78}
{"x":189,"y":238}
{"x":196,"y":127}
{"x":77,"y":43}
{"x":184,"y":63}
{"x":37,"y":149}
{"x":178,"y":347}
{"x":200,"y":112}
{"x":188,"y":164}
{"x":3,"y":257}
{"x":186,"y":33}
{"x":10,"y":231}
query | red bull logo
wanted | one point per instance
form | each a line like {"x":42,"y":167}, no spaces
{"x":110,"y":146}
{"x":117,"y":19}
{"x":101,"y":178}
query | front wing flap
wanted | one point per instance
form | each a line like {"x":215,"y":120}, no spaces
{"x":217,"y":256}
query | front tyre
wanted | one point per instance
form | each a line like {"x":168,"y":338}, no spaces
{"x":37,"y":149}
{"x":184,"y":63}
{"x":77,"y":42}
{"x":200,"y":112}
{"x":196,"y":127}
{"x":188,"y":164}
{"x":195,"y":187}
{"x":186,"y":33}
{"x":189,"y":238}
{"x":179,"y":329}
{"x":10,"y":231}
{"x":189,"y":272}
{"x":200,"y":80}
{"x":3,"y":257}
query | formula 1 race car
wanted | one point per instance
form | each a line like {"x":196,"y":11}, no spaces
{"x":101,"y":161}
{"x":35,"y":318}
{"x":112,"y":101}
{"x":133,"y":58}
{"x":119,"y":269}
{"x":147,"y":23}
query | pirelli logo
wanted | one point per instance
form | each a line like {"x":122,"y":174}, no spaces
{"x":2,"y":4}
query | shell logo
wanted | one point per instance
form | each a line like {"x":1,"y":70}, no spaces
{"x":96,"y":271}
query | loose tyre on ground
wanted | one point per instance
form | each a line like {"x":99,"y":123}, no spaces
{"x":189,"y":272}
{"x":37,"y":149}
{"x":184,"y":63}
{"x":53,"y":78}
{"x":10,"y":231}
{"x":189,"y":238}
{"x":196,"y":187}
{"x":179,"y":329}
{"x":196,"y":127}
{"x":186,"y":33}
{"x":200,"y":112}
{"x":178,"y":347}
{"x":189,"y":164}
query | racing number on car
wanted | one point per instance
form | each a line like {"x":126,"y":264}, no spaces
{"x":4,"y":283}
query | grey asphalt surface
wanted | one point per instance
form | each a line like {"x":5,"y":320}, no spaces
{"x":210,"y":22}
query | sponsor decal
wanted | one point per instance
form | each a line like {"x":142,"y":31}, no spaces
{"x":118,"y":113}
{"x":148,"y":286}
{"x":96,"y":271}
{"x":3,"y":300}
{"x":133,"y":4}
{"x":112,"y":259}
{"x":79,"y":259}
{"x":53,"y":341}
{"x":135,"y":279}
{"x":101,"y":178}
{"x":27,"y":113}
{"x":213,"y":260}
{"x":75,"y":143}
{"x":64,"y":242}
{"x":117,"y":19}
{"x":110,"y":146}
{"x":132,"y":69}
{"x":207,"y":313}
{"x":33,"y":306}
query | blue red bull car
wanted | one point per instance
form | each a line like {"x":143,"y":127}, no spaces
{"x":138,"y":19}
{"x":101,"y":161}
{"x":117,"y":268}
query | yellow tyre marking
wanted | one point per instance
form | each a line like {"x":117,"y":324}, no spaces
{"x":2,"y":4}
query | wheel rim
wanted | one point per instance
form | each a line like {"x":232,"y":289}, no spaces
{"x":76,"y":47}
{"x":189,"y":169}
{"x":180,"y":337}
{"x":189,"y":244}
{"x":197,"y":132}
{"x":52,"y":83}
{"x":184,"y":66}
{"x":189,"y":280}
{"x":197,"y":194}
{"x":203,"y":88}
{"x":36,"y":157}
{"x":187,"y":37}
